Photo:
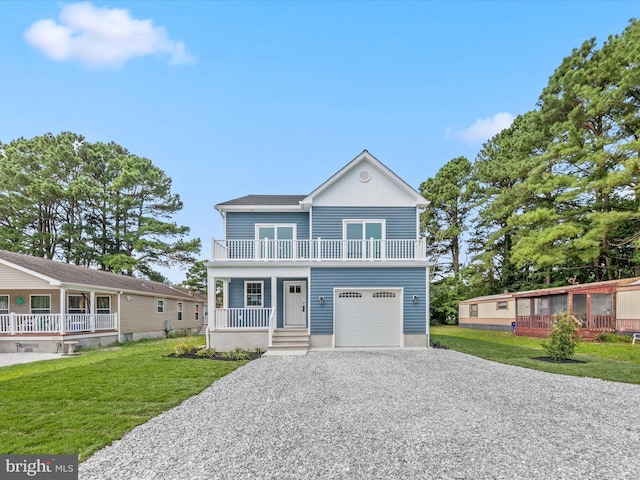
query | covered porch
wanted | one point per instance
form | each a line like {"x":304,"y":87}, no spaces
{"x":593,"y":307}
{"x":253,"y":310}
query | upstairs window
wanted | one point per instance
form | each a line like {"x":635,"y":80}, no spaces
{"x":275,"y":241}
{"x":160,"y":306}
{"x":363,"y":238}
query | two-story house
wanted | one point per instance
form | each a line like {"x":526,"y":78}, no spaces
{"x":343,"y":266}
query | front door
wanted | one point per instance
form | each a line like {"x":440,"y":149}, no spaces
{"x":295,"y":304}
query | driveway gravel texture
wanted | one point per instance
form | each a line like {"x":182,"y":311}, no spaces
{"x":401,"y":414}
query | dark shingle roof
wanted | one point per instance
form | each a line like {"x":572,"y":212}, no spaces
{"x":66,"y":273}
{"x":265,"y":200}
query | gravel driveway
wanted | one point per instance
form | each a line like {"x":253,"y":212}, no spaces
{"x":386,"y":415}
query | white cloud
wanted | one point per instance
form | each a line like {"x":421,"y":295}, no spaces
{"x":483,"y":128}
{"x":102,"y":37}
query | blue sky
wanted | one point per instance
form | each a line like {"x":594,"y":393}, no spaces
{"x":234,"y":98}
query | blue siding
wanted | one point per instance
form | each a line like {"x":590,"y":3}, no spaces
{"x":236,"y":292}
{"x":324,"y":280}
{"x":242,"y":225}
{"x":400,"y":221}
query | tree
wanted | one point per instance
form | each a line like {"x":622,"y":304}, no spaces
{"x":444,"y":220}
{"x":196,"y":277}
{"x":90,"y":204}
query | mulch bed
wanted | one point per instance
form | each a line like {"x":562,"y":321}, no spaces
{"x":551,"y":360}
{"x":218,"y":356}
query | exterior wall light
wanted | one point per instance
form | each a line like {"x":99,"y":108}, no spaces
{"x":321,"y":299}
{"x":416,"y":299}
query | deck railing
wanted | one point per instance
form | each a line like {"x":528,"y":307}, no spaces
{"x":28,"y":323}
{"x":240,"y":318}
{"x":543,"y":323}
{"x":318,"y":249}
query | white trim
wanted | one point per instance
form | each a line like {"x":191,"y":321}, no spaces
{"x":261,"y":282}
{"x":365,"y":156}
{"x":363,"y":222}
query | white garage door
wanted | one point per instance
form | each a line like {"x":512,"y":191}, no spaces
{"x":368,"y":317}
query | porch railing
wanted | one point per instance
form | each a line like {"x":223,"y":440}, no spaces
{"x":240,"y":318}
{"x":27,"y":323}
{"x":594,"y":323}
{"x":318,"y":249}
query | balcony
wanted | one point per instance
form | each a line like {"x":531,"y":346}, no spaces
{"x":318,"y":250}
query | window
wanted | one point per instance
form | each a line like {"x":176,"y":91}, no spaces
{"x":179,"y":311}
{"x":40,"y":303}
{"x":276,"y":241}
{"x":160,"y":306}
{"x":103,"y":304}
{"x":196,"y":308}
{"x":253,"y":294}
{"x":4,"y":304}
{"x":363,"y":238}
{"x":473,"y":310}
{"x":350,"y":295}
{"x":76,"y":304}
{"x":502,"y":305}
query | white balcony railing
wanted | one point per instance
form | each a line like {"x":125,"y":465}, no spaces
{"x":318,"y":250}
{"x":27,"y":323}
{"x":240,"y":318}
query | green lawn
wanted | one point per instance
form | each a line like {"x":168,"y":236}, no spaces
{"x":618,"y":362}
{"x":77,"y":405}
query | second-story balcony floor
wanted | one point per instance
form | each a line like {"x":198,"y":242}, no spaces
{"x":318,"y":250}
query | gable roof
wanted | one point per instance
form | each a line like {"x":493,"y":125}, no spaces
{"x":366,"y":157}
{"x":64,"y":274}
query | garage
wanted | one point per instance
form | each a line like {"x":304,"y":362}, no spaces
{"x":368,"y":317}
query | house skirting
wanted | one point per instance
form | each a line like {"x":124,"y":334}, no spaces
{"x":228,"y":340}
{"x":487,"y":326}
{"x":54,"y":343}
{"x":410,"y":341}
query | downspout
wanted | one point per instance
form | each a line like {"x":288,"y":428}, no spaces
{"x":119,"y":320}
{"x":428,"y":308}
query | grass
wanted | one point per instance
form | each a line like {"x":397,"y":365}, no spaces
{"x":77,"y":405}
{"x":618,"y":362}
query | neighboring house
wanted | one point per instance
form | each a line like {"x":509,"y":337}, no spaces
{"x":44,"y":303}
{"x":601,"y":307}
{"x":344,"y":266}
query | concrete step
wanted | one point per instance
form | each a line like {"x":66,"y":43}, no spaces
{"x":289,"y":342}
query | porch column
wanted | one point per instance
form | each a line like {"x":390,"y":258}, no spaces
{"x":92,"y":311}
{"x":427,"y":306}
{"x":211,"y":300}
{"x":63,"y":308}
{"x":274,"y":299}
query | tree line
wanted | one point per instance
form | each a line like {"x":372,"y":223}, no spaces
{"x":90,"y":204}
{"x":553,"y":199}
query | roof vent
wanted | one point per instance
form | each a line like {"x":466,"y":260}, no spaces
{"x":364,"y":176}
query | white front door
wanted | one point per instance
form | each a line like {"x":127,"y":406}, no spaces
{"x":295,"y":304}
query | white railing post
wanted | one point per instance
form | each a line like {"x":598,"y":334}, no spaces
{"x":12,"y":323}
{"x":271,"y":326}
{"x":62,"y":323}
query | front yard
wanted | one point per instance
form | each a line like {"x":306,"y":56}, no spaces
{"x":78,"y":405}
{"x":618,"y":362}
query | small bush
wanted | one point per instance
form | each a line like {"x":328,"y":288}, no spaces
{"x":182,"y":349}
{"x":564,"y":338}
{"x":607,"y":337}
{"x":206,"y":352}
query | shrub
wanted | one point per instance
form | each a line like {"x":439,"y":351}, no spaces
{"x":607,"y":337}
{"x":564,"y":338}
{"x":182,"y":349}
{"x":206,"y":352}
